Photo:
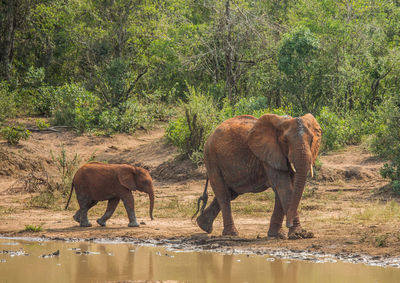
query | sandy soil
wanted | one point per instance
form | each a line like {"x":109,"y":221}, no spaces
{"x":345,"y":205}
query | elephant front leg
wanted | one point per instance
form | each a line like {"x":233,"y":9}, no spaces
{"x":297,"y":232}
{"x":206,"y":219}
{"x":130,"y":209}
{"x":275,"y":226}
{"x":111,"y":206}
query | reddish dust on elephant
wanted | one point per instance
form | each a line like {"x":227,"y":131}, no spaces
{"x":96,"y":181}
{"x":246,"y":154}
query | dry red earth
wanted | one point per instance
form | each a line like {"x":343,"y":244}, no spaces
{"x":345,"y":205}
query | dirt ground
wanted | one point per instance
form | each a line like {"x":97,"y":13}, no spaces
{"x":346,"y":205}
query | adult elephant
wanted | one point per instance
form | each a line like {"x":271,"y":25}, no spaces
{"x":246,"y":154}
{"x":97,"y":181}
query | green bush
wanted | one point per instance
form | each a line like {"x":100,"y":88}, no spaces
{"x":34,"y":96}
{"x":7,"y":103}
{"x":44,"y":100}
{"x":42,"y":124}
{"x":249,"y":105}
{"x":66,"y":166}
{"x":386,"y":142}
{"x":13,"y":134}
{"x":33,"y":228}
{"x":191,"y":128}
{"x":110,"y":120}
{"x":334,"y":128}
{"x":135,"y":115}
{"x":76,"y":107}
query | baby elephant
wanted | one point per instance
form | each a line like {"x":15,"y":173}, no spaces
{"x":97,"y":181}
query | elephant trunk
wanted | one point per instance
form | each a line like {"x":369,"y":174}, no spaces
{"x":303,"y":165}
{"x":151,"y":196}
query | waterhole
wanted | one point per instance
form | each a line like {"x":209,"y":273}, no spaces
{"x":60,"y":261}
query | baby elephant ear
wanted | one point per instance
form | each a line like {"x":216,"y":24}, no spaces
{"x":264,"y":143}
{"x":126,"y":177}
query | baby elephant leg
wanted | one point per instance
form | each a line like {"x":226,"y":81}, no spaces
{"x":130,"y":209}
{"x":85,"y":206}
{"x":111,"y":206}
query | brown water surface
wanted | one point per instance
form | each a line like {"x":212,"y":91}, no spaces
{"x":32,"y":261}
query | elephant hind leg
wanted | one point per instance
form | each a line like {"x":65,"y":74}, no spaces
{"x":85,"y":204}
{"x":206,"y":219}
{"x":111,"y":206}
{"x":224,"y":195}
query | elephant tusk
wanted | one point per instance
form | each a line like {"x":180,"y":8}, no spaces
{"x":311,"y":171}
{"x":291,"y":165}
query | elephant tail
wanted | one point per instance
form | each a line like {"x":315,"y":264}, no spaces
{"x":70,"y":195}
{"x":203,"y":198}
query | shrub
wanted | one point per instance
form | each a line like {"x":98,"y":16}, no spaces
{"x":76,"y":107}
{"x":34,"y":96}
{"x":135,"y":115}
{"x":33,"y":228}
{"x":44,"y":100}
{"x":249,"y":105}
{"x":42,"y":124}
{"x":7,"y":103}
{"x":334,"y":130}
{"x":110,"y":121}
{"x":66,"y":167}
{"x":192,"y":127}
{"x":386,"y":142}
{"x":13,"y":134}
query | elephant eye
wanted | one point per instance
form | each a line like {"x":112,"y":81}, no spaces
{"x":311,"y":140}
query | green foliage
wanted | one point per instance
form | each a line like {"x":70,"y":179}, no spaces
{"x":13,"y":134}
{"x":121,"y":65}
{"x":192,"y":127}
{"x":76,"y":107}
{"x":339,"y":131}
{"x":333,"y":129}
{"x":386,"y":142}
{"x":33,"y":228}
{"x":297,"y":59}
{"x":137,"y":114}
{"x":7,"y":103}
{"x":66,"y":167}
{"x":34,"y":96}
{"x":41,"y":124}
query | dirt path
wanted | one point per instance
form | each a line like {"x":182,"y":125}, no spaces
{"x":343,"y":205}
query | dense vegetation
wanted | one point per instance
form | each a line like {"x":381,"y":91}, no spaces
{"x":110,"y":66}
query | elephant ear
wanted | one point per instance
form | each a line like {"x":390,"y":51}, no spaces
{"x":315,"y":129}
{"x":263,"y":140}
{"x":126,"y":176}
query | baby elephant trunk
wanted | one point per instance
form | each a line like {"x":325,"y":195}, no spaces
{"x":151,"y":196}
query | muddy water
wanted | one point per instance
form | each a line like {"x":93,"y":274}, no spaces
{"x":39,"y":261}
